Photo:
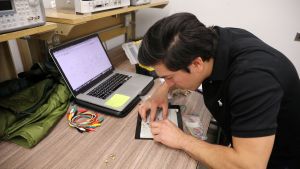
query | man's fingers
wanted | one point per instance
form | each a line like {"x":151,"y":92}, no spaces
{"x":165,"y":111}
{"x":155,"y":131}
{"x":154,"y":124}
{"x":153,"y":112}
{"x":143,"y":111}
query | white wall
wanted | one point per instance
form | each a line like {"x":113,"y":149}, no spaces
{"x":274,"y":21}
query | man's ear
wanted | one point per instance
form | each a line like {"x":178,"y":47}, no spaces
{"x":197,"y":65}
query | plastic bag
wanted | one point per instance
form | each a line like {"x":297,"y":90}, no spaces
{"x":194,"y":125}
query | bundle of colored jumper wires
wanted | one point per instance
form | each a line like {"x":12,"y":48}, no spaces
{"x":84,"y":120}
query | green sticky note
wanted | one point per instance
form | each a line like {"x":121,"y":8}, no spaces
{"x":117,"y":100}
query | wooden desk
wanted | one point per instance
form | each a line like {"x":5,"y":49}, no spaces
{"x":49,"y":26}
{"x":65,"y":147}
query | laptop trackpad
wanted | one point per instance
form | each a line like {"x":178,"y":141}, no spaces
{"x":130,"y":90}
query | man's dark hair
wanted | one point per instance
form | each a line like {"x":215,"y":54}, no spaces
{"x":176,"y":41}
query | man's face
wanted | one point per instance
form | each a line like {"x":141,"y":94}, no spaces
{"x":181,"y":79}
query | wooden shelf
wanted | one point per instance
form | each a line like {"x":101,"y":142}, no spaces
{"x":69,"y":16}
{"x":26,"y":32}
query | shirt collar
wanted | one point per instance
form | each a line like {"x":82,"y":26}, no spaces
{"x":221,"y":58}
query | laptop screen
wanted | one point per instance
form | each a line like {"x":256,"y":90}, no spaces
{"x":82,"y":62}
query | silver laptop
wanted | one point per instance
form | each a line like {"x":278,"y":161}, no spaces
{"x":90,"y":76}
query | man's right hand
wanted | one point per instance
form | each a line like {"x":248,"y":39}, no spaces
{"x":158,"y":99}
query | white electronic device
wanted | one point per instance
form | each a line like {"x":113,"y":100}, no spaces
{"x":90,"y":6}
{"x":20,"y":14}
{"x":139,"y":2}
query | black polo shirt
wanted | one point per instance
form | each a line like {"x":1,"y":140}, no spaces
{"x":254,"y":91}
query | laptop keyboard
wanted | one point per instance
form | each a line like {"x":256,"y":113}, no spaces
{"x":110,"y":85}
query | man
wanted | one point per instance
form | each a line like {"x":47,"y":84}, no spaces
{"x":251,"y":89}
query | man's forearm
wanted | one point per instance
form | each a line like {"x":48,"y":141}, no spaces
{"x":214,"y":156}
